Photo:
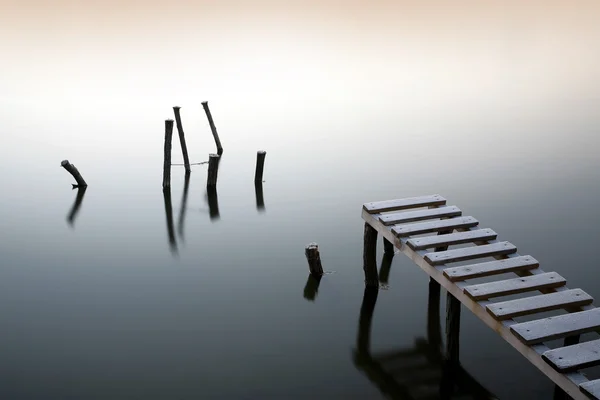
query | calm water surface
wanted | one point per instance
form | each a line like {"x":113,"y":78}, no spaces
{"x":105,"y":307}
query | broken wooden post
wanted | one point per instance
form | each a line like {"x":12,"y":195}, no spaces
{"x":312,"y":287}
{"x":213,"y":128}
{"x":260,"y":163}
{"x":260,"y":200}
{"x":186,"y":159}
{"x":314,"y":259}
{"x":167,"y":155}
{"x":369,"y":256}
{"x":213,"y":168}
{"x":73,"y":171}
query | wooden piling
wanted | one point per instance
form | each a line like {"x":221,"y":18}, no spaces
{"x":452,"y":328}
{"x":213,"y":128}
{"x":167,"y":154}
{"x":213,"y":169}
{"x":388,"y":247}
{"x":186,"y":159}
{"x":260,"y":164}
{"x":73,"y":171}
{"x":386,"y":265}
{"x":314,"y":259}
{"x":369,"y":256}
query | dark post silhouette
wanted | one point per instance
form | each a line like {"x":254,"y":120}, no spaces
{"x":213,"y":168}
{"x":73,"y":171}
{"x":76,"y":205}
{"x":186,"y":159}
{"x":388,"y":247}
{"x":213,"y":128}
{"x":312,"y":287}
{"x":167,"y":155}
{"x":386,"y":265}
{"x":186,"y":186}
{"x":314,"y":259}
{"x":369,"y":256}
{"x":169,"y":215}
{"x":260,"y":201}
{"x":260,"y":164}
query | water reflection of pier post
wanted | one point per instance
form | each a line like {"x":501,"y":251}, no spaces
{"x":186,"y":187}
{"x":76,"y":205}
{"x":169,"y":216}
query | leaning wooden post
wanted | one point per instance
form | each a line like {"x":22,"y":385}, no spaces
{"x":213,"y":169}
{"x":260,"y":164}
{"x":167,"y":154}
{"x":369,"y":256}
{"x":314,"y":259}
{"x":186,"y":159}
{"x":73,"y":171}
{"x":213,"y":128}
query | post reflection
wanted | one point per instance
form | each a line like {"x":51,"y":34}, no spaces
{"x":213,"y":203}
{"x":169,"y":216}
{"x":260,"y":200}
{"x":415,"y":372}
{"x":182,"y":211}
{"x":312,"y":287}
{"x":76,"y":205}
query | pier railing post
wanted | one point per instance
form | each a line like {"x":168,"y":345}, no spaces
{"x":167,"y":154}
{"x":370,"y":256}
{"x":186,"y":159}
{"x":213,"y":128}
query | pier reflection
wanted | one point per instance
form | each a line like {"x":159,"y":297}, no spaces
{"x":76,"y":205}
{"x":169,"y":217}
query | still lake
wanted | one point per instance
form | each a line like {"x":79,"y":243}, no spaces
{"x":106,"y":308}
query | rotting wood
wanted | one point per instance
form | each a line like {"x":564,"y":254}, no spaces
{"x":314,"y":259}
{"x":167,"y":154}
{"x":473,"y":271}
{"x":434,"y":226}
{"x":543,"y":330}
{"x":260,"y":165}
{"x":484,"y":291}
{"x":186,"y":159}
{"x":469,"y":253}
{"x":402,"y":204}
{"x":213,"y":128}
{"x":74,"y":172}
{"x":451,"y":239}
{"x":578,"y":356}
{"x":541,"y":303}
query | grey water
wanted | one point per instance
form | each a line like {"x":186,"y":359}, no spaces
{"x":105,"y":301}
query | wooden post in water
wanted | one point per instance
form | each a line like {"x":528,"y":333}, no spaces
{"x":186,"y":159}
{"x":314,"y":259}
{"x":213,"y":169}
{"x":260,"y":164}
{"x":388,"y":247}
{"x":213,"y":202}
{"x":167,"y":154}
{"x":260,"y":200}
{"x":452,"y":328}
{"x":370,"y":255}
{"x":73,"y":171}
{"x":213,"y":128}
{"x":386,"y":265}
{"x":434,"y":328}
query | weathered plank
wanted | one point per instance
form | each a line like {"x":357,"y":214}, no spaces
{"x":591,"y":388}
{"x":506,"y":287}
{"x":543,"y":330}
{"x":570,"y":358}
{"x":536,"y":304}
{"x":469,"y":253}
{"x":434,"y":226}
{"x":473,"y":271}
{"x":403,"y":204}
{"x":419,"y":215}
{"x":478,"y":235}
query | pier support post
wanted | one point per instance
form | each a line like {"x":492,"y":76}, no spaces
{"x":314,"y":259}
{"x":167,"y":154}
{"x":388,"y":247}
{"x":186,"y":159}
{"x":213,"y":168}
{"x":213,"y":128}
{"x":370,"y":255}
{"x":260,"y":163}
{"x":434,"y":328}
{"x":452,"y":328}
{"x":386,"y":265}
{"x":74,"y":172}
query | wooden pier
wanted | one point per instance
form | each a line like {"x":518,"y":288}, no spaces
{"x":436,"y":237}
